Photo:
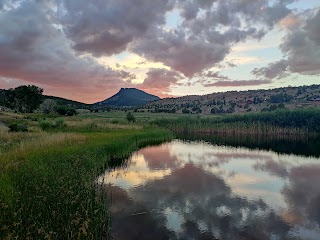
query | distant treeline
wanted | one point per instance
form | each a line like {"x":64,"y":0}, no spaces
{"x":299,"y":121}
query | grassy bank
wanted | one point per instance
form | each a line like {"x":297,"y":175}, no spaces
{"x":291,"y":122}
{"x":47,"y":180}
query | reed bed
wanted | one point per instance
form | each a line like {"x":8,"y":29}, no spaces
{"x":287,"y":122}
{"x":48,"y":184}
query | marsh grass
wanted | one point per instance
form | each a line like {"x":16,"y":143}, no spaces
{"x":285,"y":122}
{"x":48,"y":184}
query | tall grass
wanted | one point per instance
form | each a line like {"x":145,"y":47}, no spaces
{"x":301,"y":121}
{"x":48,"y":185}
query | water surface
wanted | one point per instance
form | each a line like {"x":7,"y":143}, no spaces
{"x":202,"y":190}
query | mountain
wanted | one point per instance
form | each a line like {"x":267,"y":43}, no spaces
{"x":128,"y":97}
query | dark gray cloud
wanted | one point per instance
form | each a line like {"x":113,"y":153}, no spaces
{"x":183,"y":53}
{"x":301,"y":46}
{"x":203,"y":40}
{"x":54,"y":43}
{"x":106,"y":27}
{"x":34,"y":49}
{"x":273,"y":70}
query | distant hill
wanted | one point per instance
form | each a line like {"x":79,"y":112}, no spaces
{"x":67,"y":102}
{"x":128,"y":97}
{"x":241,"y":101}
{"x":60,"y":101}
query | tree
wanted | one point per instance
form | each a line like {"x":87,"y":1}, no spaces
{"x":24,"y":98}
{"x":48,"y":106}
{"x":130,"y":117}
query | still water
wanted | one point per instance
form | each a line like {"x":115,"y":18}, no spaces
{"x":201,"y":190}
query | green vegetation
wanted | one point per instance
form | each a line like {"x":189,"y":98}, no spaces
{"x":51,"y":161}
{"x":24,"y":99}
{"x":130,"y":117}
{"x":66,"y":111}
{"x":300,"y":121}
{"x":18,"y":127}
{"x":48,"y":179}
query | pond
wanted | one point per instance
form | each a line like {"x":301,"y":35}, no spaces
{"x":189,"y":189}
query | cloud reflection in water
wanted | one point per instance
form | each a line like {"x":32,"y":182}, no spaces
{"x":194,"y":190}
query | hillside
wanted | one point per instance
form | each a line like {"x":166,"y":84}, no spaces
{"x":68,"y":102}
{"x":60,"y":101}
{"x":127,"y":97}
{"x":241,"y":101}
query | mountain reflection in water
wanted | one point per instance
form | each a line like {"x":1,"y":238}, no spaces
{"x":199,"y":190}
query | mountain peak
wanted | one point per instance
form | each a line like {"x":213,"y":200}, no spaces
{"x":128,"y":97}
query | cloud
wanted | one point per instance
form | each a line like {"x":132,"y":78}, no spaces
{"x":301,"y":46}
{"x":235,"y":83}
{"x":204,"y":40}
{"x":108,"y":26}
{"x":33,"y":50}
{"x":273,"y":70}
{"x":60,"y":45}
{"x":159,"y":80}
{"x":223,"y":81}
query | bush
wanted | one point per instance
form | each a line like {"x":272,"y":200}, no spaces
{"x":45,"y":125}
{"x":59,"y":122}
{"x":130,"y":117}
{"x":48,"y":106}
{"x":66,"y":111}
{"x":18,"y":127}
{"x":114,"y":121}
{"x":185,"y":111}
{"x":280,"y":98}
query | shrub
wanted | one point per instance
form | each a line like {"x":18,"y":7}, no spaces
{"x":114,"y":121}
{"x":45,"y":125}
{"x":130,"y":117}
{"x":59,"y":122}
{"x":66,"y":111}
{"x":18,"y":127}
{"x":48,"y":106}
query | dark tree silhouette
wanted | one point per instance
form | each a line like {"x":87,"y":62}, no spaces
{"x":24,"y":98}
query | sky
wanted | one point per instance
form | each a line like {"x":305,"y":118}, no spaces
{"x":87,"y":50}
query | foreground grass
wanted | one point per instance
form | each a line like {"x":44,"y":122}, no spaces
{"x":287,"y":122}
{"x":48,"y":185}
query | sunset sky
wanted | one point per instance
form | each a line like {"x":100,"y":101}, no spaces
{"x":87,"y":50}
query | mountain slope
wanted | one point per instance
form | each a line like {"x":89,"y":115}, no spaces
{"x":60,"y":101}
{"x":241,"y":101}
{"x":128,"y":97}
